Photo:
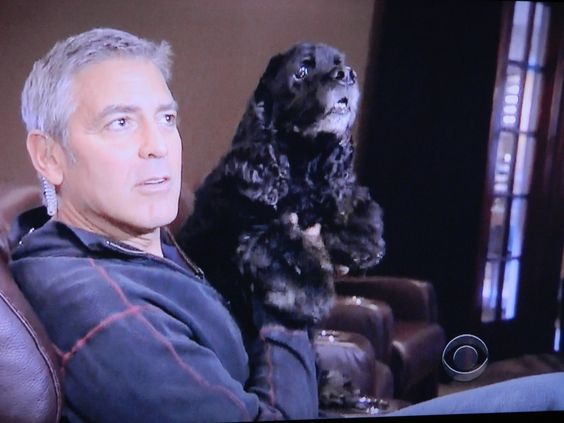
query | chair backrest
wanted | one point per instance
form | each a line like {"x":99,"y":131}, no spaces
{"x":185,"y":207}
{"x":30,"y":383}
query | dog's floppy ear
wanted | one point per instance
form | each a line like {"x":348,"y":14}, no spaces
{"x":262,"y":97}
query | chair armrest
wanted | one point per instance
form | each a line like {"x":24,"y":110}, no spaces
{"x":348,"y":354}
{"x":368,"y":317}
{"x":409,"y":299}
{"x":345,"y":357}
{"x":29,"y":367}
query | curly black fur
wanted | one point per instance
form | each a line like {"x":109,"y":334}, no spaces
{"x":289,"y":168}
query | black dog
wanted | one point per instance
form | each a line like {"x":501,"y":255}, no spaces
{"x":282,"y":211}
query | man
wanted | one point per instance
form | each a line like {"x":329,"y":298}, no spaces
{"x":141,"y":335}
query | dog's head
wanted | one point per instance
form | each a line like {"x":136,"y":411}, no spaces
{"x":308,"y":90}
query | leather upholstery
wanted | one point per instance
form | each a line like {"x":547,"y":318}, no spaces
{"x":371,"y":318}
{"x":417,"y":339}
{"x":367,"y":319}
{"x":416,"y":355}
{"x":410,"y":299}
{"x":351,"y":354}
{"x":29,"y":379}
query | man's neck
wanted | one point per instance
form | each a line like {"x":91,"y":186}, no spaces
{"x":149,"y":242}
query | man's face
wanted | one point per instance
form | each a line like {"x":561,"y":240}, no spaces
{"x":127,"y":149}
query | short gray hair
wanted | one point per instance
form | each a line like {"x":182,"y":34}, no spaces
{"x":46,"y":98}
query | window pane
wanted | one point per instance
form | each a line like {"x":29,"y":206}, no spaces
{"x":540,"y":30}
{"x":519,"y":31}
{"x":531,"y":101}
{"x":504,"y":158}
{"x":524,"y":164}
{"x":516,"y":226}
{"x":511,"y":98}
{"x":515,"y":150}
{"x":497,"y":227}
{"x":509,"y":291}
{"x":489,"y":291}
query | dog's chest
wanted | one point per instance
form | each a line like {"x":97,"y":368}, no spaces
{"x":315,"y":169}
{"x":318,"y":182}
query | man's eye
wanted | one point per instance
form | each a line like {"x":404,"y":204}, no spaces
{"x":169,"y":119}
{"x":302,"y":72}
{"x":119,"y":123}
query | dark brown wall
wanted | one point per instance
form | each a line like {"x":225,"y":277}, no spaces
{"x":221,"y":47}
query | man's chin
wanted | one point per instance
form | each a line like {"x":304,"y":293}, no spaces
{"x":152,"y":220}
{"x":163,"y":220}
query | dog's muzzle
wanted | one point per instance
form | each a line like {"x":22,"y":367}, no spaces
{"x":342,"y":95}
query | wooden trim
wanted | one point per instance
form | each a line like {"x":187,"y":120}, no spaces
{"x":544,"y":230}
{"x":495,"y":124}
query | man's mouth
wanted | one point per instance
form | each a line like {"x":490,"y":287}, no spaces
{"x":154,"y":184}
{"x":155,"y":181}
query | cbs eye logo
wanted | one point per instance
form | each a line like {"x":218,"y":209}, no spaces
{"x":465,"y":357}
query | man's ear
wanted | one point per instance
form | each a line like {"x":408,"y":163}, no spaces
{"x":47,"y":156}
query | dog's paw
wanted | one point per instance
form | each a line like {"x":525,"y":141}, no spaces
{"x":341,"y":270}
{"x":312,"y":233}
{"x":356,"y":241}
{"x":290,"y":269}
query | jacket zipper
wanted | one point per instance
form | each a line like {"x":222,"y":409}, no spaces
{"x":195,"y":269}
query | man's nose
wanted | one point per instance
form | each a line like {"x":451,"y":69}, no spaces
{"x":153,"y":142}
{"x":344,"y":75}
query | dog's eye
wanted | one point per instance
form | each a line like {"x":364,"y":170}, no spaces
{"x":302,"y":72}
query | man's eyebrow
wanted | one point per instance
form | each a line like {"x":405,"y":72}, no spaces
{"x":173,"y":105}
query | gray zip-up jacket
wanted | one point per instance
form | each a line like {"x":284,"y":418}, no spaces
{"x":147,"y":339}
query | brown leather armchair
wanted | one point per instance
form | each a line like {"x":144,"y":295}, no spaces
{"x":416,"y":339}
{"x":29,"y":371}
{"x":362,"y":325}
{"x":351,"y":355}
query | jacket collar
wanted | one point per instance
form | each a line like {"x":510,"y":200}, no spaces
{"x":37,"y":220}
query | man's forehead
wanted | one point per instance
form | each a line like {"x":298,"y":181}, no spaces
{"x":124,"y":82}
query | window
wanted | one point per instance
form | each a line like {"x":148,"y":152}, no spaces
{"x":514,"y":136}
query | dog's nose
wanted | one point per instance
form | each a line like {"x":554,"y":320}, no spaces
{"x":344,"y":75}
